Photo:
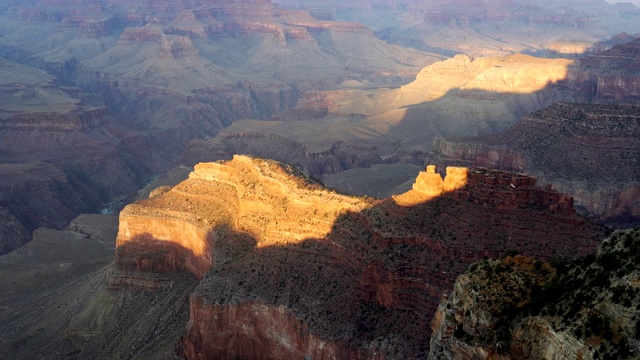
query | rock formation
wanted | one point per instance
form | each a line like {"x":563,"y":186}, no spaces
{"x":279,"y":252}
{"x":113,"y":93}
{"x":59,"y":152}
{"x":238,"y":196}
{"x":486,"y":187}
{"x":608,"y":76}
{"x":599,"y":162}
{"x":522,"y":308}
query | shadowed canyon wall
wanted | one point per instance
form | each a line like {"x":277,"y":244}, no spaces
{"x":599,"y":158}
{"x":283,"y":248}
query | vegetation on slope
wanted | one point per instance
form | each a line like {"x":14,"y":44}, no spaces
{"x":515,"y":305}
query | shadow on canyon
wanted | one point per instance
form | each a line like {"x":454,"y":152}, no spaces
{"x":133,"y":151}
{"x":371,"y":285}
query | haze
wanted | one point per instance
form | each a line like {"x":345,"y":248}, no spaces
{"x":107,"y":107}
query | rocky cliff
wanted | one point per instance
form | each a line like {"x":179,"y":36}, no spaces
{"x":60,"y":154}
{"x":279,"y":252}
{"x":599,"y":162}
{"x":522,"y":308}
{"x":608,"y":76}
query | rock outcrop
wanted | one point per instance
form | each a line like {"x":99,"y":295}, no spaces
{"x":522,"y":308}
{"x":182,"y":222}
{"x":598,"y":164}
{"x":486,"y":187}
{"x":279,"y":252}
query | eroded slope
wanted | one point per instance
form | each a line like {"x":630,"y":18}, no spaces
{"x":522,"y":308}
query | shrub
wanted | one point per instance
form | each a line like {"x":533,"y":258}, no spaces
{"x":458,"y":332}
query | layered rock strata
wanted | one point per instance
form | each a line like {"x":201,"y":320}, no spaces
{"x":59,"y":152}
{"x":279,"y":252}
{"x":608,"y":76}
{"x":599,"y":162}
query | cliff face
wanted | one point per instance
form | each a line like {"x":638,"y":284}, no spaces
{"x":599,"y":160}
{"x":522,"y":308}
{"x":608,"y":76}
{"x":279,"y":252}
{"x":59,"y":153}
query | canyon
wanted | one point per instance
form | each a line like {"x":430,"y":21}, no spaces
{"x":449,"y":101}
{"x":275,"y":260}
{"x":97,"y":98}
{"x":396,"y":155}
{"x":140,"y":88}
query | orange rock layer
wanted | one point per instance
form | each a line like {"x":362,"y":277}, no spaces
{"x":295,"y":270}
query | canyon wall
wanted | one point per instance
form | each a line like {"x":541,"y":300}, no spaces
{"x":599,"y":161}
{"x":276,"y":246}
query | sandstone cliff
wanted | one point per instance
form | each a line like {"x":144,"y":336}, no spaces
{"x":279,"y":252}
{"x":522,"y":308}
{"x":588,"y":151}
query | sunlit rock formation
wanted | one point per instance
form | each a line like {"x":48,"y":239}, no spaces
{"x":176,"y":230}
{"x":276,"y":253}
{"x":498,"y":189}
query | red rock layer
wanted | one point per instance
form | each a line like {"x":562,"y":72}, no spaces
{"x":296,"y":271}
